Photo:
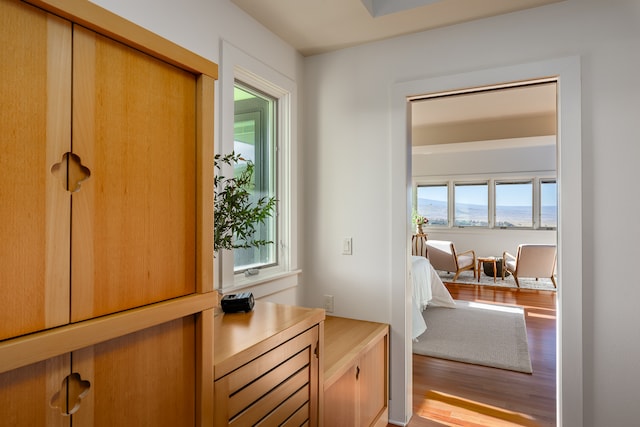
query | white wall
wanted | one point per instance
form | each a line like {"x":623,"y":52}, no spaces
{"x":347,"y":169}
{"x":511,"y":160}
{"x":201,"y":26}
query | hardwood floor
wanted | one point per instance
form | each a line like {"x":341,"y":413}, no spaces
{"x":447,"y":393}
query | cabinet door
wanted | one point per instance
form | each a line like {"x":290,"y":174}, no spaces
{"x":143,"y":379}
{"x":35,"y":88}
{"x":134,"y":219}
{"x":372,"y":383}
{"x":147,"y":378}
{"x":340,"y":401}
{"x":26,"y":394}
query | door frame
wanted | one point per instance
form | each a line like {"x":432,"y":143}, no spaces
{"x":569,"y":359}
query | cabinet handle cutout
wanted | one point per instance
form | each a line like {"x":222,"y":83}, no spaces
{"x":72,"y":391}
{"x":71,"y":172}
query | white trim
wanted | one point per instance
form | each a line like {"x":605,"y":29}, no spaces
{"x":237,"y":64}
{"x":492,"y":144}
{"x":269,"y":285}
{"x":569,"y":159}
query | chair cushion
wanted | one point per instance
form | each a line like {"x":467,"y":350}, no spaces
{"x":465,"y":261}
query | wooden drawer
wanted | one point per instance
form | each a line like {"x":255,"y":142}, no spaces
{"x":274,"y":388}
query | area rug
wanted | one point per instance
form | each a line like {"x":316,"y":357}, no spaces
{"x":477,"y":333}
{"x":466,"y":277}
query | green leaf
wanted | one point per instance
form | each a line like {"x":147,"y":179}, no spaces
{"x":235,"y":215}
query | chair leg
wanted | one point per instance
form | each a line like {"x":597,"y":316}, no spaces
{"x":516,"y":279}
{"x":553,"y":280}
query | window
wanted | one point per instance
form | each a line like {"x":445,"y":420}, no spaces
{"x":514,"y":204}
{"x":259,"y":119}
{"x":508,"y":201}
{"x":548,"y":203}
{"x":255,"y":139}
{"x":433,"y":203}
{"x":471,"y":202}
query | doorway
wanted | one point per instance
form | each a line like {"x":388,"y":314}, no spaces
{"x":566,"y":71}
{"x":500,"y":142}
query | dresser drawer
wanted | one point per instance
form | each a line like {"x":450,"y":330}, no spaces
{"x":274,"y":388}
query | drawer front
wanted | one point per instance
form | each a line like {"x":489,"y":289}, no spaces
{"x":266,"y":406}
{"x":273,"y":389}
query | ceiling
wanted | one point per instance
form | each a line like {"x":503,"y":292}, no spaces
{"x":318,"y":26}
{"x":517,"y":101}
{"x":519,"y":115}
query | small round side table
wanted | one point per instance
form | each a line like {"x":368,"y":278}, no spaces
{"x":491,"y":259}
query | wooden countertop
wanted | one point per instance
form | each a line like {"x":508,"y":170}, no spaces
{"x":344,"y":340}
{"x":241,"y":337}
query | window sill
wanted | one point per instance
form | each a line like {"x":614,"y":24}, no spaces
{"x":263,"y":285}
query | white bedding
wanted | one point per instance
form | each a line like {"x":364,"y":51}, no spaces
{"x":428,"y":289}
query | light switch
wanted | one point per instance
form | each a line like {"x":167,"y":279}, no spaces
{"x":347,"y":246}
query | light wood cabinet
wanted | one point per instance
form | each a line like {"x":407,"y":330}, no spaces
{"x":356,"y":374}
{"x":106,"y":258}
{"x":35,"y":62}
{"x":267,"y":366}
{"x":125,"y":381}
{"x":134,"y":219}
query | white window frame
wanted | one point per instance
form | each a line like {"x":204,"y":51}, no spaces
{"x":452,"y":200}
{"x":444,"y":184}
{"x":535,"y":176}
{"x":268,"y":132}
{"x":535,"y":208}
{"x":238,"y":65}
{"x":537,"y":200}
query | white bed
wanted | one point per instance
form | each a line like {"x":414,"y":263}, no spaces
{"x":428,"y":289}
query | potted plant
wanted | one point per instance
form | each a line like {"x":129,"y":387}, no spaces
{"x":419,"y":221}
{"x":237,"y":211}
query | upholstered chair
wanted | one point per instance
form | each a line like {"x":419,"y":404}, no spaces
{"x":531,"y":260}
{"x":443,"y":256}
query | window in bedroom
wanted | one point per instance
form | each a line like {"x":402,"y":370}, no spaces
{"x":548,"y":203}
{"x":471,"y":204}
{"x":255,"y":140}
{"x":432,"y":201}
{"x":514,"y":204}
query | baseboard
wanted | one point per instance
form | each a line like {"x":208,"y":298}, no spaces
{"x":383,"y":420}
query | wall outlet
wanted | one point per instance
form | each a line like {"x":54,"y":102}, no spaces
{"x":347,"y":246}
{"x":328,"y":303}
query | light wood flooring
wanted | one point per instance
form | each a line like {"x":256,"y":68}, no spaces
{"x":447,"y":393}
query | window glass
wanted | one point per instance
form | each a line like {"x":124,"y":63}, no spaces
{"x":432,"y":202}
{"x":514,"y":204}
{"x":254,"y":139}
{"x":471,"y":202}
{"x":548,"y":204}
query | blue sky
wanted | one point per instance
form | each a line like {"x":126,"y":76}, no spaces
{"x":511,"y":195}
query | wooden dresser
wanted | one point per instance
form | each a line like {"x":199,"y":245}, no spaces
{"x":267,"y":366}
{"x":106,"y":249}
{"x":356,"y":373}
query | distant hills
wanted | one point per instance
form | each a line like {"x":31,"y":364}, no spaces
{"x":476,"y":215}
